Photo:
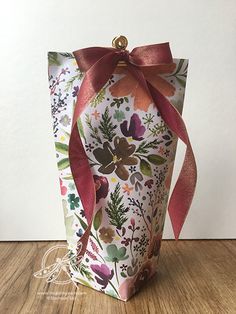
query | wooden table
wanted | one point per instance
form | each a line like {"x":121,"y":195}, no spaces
{"x":193,"y":277}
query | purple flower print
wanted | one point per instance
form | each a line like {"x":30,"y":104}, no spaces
{"x":104,"y":274}
{"x":75,"y":91}
{"x":136,"y":129}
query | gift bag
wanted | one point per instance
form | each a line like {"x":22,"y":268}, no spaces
{"x":116,"y":122}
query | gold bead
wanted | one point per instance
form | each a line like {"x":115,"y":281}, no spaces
{"x":120,"y":42}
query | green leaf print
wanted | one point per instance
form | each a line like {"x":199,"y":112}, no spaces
{"x":156,"y":159}
{"x":119,"y":101}
{"x":181,"y":82}
{"x":181,"y":73}
{"x":107,"y":127}
{"x":145,"y":168}
{"x":63,"y":163}
{"x":80,"y":128}
{"x":179,"y":66}
{"x":62,"y":148}
{"x":145,"y":146}
{"x":97,"y":219}
{"x":112,"y":293}
{"x":84,"y":282}
{"x":70,"y":82}
{"x":68,"y":177}
{"x":99,"y":98}
{"x":66,"y":134}
{"x":52,"y":58}
{"x":67,"y":55}
{"x":116,"y":210}
{"x":68,"y":220}
{"x":94,"y":130}
{"x":84,"y":270}
{"x":82,"y":223}
{"x":157,"y":129}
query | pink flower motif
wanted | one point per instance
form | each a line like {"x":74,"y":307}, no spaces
{"x":63,"y":188}
{"x":91,"y":255}
{"x":104,"y":274}
{"x":132,"y":285}
{"x":93,"y":245}
{"x":132,"y":221}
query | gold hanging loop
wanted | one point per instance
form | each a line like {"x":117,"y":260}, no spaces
{"x":120,"y":42}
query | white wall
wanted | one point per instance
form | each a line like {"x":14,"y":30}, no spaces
{"x":203,"y":31}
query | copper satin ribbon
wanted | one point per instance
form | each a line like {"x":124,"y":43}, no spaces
{"x":99,"y":63}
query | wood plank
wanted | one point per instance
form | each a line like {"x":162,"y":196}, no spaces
{"x":193,"y":277}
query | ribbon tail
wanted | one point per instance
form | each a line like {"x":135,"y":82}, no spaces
{"x":182,"y":195}
{"x":79,"y":164}
{"x":83,"y":179}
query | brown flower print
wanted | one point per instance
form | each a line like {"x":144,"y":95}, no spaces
{"x":106,"y":234}
{"x":116,"y":159}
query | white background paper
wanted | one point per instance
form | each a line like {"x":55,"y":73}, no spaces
{"x":202,"y":31}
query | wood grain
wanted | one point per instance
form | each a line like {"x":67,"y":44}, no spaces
{"x":193,"y":277}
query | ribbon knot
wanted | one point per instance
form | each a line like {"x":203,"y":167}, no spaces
{"x":99,"y":63}
{"x":124,"y":54}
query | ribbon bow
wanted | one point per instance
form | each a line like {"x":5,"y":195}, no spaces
{"x":99,"y":63}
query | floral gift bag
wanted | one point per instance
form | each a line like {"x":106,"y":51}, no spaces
{"x":116,"y":121}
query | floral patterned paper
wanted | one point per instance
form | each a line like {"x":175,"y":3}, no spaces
{"x":131,"y":152}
